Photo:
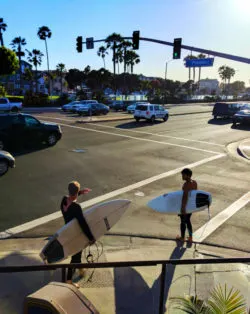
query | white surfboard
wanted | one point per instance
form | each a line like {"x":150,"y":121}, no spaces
{"x":170,"y":203}
{"x":70,"y":239}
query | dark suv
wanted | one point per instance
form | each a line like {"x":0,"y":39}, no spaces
{"x":225,"y":110}
{"x":23,"y":130}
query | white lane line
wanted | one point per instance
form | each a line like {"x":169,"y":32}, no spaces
{"x":157,"y":134}
{"x":142,"y":132}
{"x":202,"y":233}
{"x":37,"y":222}
{"x":140,"y":139}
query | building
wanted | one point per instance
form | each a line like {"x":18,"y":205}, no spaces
{"x":209,"y":86}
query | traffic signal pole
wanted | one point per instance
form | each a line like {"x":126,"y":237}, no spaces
{"x":190,"y":48}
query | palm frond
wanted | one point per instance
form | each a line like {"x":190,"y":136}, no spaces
{"x":191,"y":305}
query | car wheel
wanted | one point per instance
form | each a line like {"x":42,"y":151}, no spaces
{"x":52,"y":139}
{"x":234,"y":124}
{"x":152,"y":119}
{"x":137,"y":119}
{"x":4,"y":166}
{"x":215,"y":117}
{"x":2,"y":146}
{"x":165,"y":118}
{"x":14,"y":109}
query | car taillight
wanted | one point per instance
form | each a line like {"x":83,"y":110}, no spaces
{"x":147,"y":112}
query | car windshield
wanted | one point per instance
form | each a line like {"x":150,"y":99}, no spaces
{"x":246,"y":106}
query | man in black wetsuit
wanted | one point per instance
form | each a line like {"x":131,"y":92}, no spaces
{"x":70,"y":210}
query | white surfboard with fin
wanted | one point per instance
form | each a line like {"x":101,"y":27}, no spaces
{"x":170,"y":203}
{"x":70,"y":239}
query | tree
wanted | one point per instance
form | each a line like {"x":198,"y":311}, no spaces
{"x":200,"y":56}
{"x":60,"y":69}
{"x":190,"y":57}
{"x":3,"y":27}
{"x":17,"y":44}
{"x":112,"y":41}
{"x":226,"y":73}
{"x":124,"y":45}
{"x":43,"y":33}
{"x":29,"y":76}
{"x":237,"y":87}
{"x":132,"y":58}
{"x":2,"y":91}
{"x":74,"y":78}
{"x":102,"y":52}
{"x":35,"y":58}
{"x":8,"y":61}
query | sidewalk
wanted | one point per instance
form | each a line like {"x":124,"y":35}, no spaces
{"x":122,"y":290}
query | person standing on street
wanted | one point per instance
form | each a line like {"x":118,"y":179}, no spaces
{"x":188,"y":186}
{"x":70,"y":210}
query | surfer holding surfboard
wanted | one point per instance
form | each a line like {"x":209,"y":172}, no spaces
{"x":188,"y":186}
{"x":70,"y":210}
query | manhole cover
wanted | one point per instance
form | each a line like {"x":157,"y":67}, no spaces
{"x":79,"y":150}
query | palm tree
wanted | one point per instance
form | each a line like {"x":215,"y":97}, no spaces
{"x":60,"y":68}
{"x":17,"y":44}
{"x":124,"y":45}
{"x":189,"y":69}
{"x":102,"y":52}
{"x":3,"y":27}
{"x":43,"y":33}
{"x":132,"y":58}
{"x":35,"y":57}
{"x":226,"y":73}
{"x":112,"y":41}
{"x":220,"y":301}
{"x":200,"y":56}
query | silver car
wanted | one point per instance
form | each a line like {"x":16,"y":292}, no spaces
{"x":6,"y":161}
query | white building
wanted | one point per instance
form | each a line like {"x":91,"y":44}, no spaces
{"x":209,"y":86}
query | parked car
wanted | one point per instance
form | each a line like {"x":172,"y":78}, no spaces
{"x":150,"y":112}
{"x":242,"y":116}
{"x":69,"y":106}
{"x":225,"y":110}
{"x":6,"y":161}
{"x":92,"y":109}
{"x":82,"y":103}
{"x":21,"y":130}
{"x":119,"y":105}
{"x":131,"y":108}
{"x":6,"y":105}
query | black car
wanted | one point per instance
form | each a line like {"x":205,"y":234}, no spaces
{"x":23,"y":130}
{"x":225,"y":110}
{"x":242,"y":116}
{"x":93,"y":109}
{"x":119,"y":105}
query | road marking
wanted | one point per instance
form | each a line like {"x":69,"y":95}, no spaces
{"x":206,"y":230}
{"x":37,"y":222}
{"x":157,"y":134}
{"x":147,"y":133}
{"x":140,"y":139}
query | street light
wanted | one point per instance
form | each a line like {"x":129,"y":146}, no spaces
{"x":166,"y":71}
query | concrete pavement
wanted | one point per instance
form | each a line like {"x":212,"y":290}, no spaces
{"x":123,"y":290}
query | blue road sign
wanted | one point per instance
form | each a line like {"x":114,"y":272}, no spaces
{"x":193,"y":63}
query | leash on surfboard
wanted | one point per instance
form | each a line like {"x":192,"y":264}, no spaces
{"x":91,"y":258}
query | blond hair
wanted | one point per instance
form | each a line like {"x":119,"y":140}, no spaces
{"x":74,"y":188}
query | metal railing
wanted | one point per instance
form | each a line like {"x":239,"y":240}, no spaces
{"x":163,"y":263}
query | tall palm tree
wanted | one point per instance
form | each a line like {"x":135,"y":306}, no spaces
{"x":189,"y":69}
{"x":17,"y":44}
{"x":35,"y":58}
{"x":60,"y":69}
{"x":112,"y":41}
{"x":43,"y":33}
{"x":124,"y":45}
{"x":102,"y":52}
{"x":226,"y":73}
{"x":132,"y":58}
{"x":200,"y":56}
{"x":3,"y":27}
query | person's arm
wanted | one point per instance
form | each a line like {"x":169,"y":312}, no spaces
{"x":84,"y":191}
{"x":82,"y":222}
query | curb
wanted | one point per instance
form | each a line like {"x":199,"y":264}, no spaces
{"x":241,"y":149}
{"x":131,"y":118}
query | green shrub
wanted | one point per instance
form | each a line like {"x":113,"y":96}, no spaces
{"x":36,"y":100}
{"x":2,"y":91}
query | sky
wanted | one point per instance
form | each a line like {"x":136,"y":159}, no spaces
{"x":219,"y":25}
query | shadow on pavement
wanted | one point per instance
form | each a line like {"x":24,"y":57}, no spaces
{"x":132,"y":293}
{"x":14,"y":287}
{"x":24,"y":151}
{"x":141,"y":124}
{"x":219,"y":121}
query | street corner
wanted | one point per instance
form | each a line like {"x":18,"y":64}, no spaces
{"x":240,"y":150}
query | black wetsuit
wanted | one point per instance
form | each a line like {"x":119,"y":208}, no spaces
{"x":74,"y":210}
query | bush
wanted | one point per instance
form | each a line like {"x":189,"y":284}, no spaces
{"x":36,"y":100}
{"x":62,"y":100}
{"x":2,"y":91}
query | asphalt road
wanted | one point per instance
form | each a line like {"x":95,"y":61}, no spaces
{"x":117,"y":155}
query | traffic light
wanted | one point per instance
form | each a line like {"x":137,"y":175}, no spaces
{"x":136,"y":39}
{"x":177,"y":48}
{"x":90,"y":43}
{"x":79,"y":43}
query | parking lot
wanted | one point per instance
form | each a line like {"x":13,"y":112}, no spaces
{"x":138,"y":161}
